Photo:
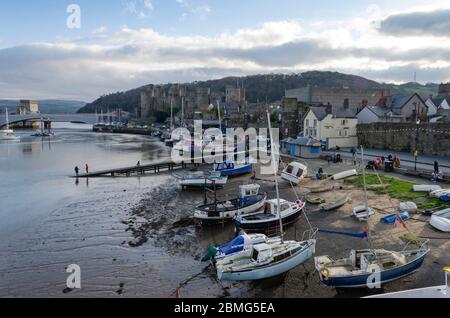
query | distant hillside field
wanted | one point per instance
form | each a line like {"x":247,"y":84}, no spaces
{"x":51,"y":106}
{"x":261,"y":87}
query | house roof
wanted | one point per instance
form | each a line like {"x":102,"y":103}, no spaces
{"x":319,"y":112}
{"x":379,"y":111}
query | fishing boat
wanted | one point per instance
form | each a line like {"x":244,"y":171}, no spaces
{"x":7,"y":134}
{"x":360,"y":269}
{"x":345,"y":174}
{"x":239,"y":244}
{"x":202,"y":180}
{"x":268,"y":220}
{"x":295,"y":172}
{"x":249,"y":201}
{"x":231,"y":169}
{"x":441,"y":220}
{"x":363,"y":212}
{"x":442,"y":291}
{"x":333,"y":205}
{"x":268,"y":259}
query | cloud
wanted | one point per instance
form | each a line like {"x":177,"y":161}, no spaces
{"x":199,"y":10}
{"x":435,"y":23}
{"x":79,"y":69}
{"x":140,"y":8}
{"x":100,"y":30}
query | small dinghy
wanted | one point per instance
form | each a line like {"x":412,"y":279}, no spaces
{"x":230,"y":169}
{"x":360,"y":269}
{"x":426,"y":188}
{"x":362,"y":212}
{"x":295,"y":172}
{"x":313,"y":199}
{"x":408,"y":207}
{"x":239,"y":244}
{"x":202,"y":180}
{"x":441,"y":220}
{"x":391,"y":218}
{"x":250,"y":201}
{"x":321,"y":188}
{"x":440,"y":193}
{"x":335,"y":204}
{"x":268,"y":221}
{"x":345,"y":174}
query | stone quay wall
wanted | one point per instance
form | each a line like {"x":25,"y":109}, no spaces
{"x":431,"y":138}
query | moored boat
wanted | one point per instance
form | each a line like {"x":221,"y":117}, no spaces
{"x":249,"y":201}
{"x":231,"y":169}
{"x":335,"y":204}
{"x":268,"y":221}
{"x":345,"y":174}
{"x":202,"y":180}
{"x":426,"y":188}
{"x":7,"y":134}
{"x":441,"y":220}
{"x":295,"y":172}
{"x":365,"y":268}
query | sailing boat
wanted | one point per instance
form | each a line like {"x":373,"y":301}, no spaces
{"x":369,"y":267}
{"x":363,"y":212}
{"x":7,"y":133}
{"x":270,"y":259}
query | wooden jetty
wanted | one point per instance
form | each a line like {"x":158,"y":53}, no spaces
{"x":139,"y":170}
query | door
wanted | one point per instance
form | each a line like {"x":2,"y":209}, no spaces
{"x":293,"y":150}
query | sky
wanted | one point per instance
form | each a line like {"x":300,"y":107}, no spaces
{"x":82,"y":49}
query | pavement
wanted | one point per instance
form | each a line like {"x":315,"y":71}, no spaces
{"x":407,"y":159}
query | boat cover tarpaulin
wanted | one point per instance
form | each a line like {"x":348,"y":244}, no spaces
{"x":390,"y":219}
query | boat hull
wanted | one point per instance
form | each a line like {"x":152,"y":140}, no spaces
{"x":440,"y":223}
{"x":202,"y":217}
{"x":271,"y":270}
{"x":268,"y":226}
{"x":236,"y":172}
{"x":386,"y":276}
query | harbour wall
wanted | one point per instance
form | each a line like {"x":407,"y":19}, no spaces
{"x":430,"y":138}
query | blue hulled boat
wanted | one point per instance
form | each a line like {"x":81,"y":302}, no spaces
{"x":230,"y":169}
{"x":366,"y":268}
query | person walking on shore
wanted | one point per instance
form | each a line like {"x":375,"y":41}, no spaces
{"x":87,"y":168}
{"x":77,"y":171}
{"x":436,"y":167}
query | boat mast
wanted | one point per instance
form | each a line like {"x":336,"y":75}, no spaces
{"x":275,"y":165}
{"x":366,"y":198}
{"x":171,"y":113}
{"x":364,"y":178}
{"x":7,"y":119}
{"x":218,"y":110}
{"x":182,"y":111}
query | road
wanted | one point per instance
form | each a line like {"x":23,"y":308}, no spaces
{"x":407,"y":159}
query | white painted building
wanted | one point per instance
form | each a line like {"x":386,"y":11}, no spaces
{"x":334,"y":128}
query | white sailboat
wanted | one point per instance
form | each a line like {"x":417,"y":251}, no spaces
{"x":363,"y":212}
{"x":7,"y":133}
{"x":270,"y":259}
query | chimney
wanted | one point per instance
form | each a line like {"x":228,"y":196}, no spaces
{"x":329,"y":109}
{"x":430,"y":96}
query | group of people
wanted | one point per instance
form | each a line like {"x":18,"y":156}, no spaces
{"x":86,"y":169}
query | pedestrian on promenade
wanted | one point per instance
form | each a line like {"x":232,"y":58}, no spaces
{"x":138,"y":164}
{"x":87,"y":168}
{"x":353,"y":151}
{"x":436,"y":167}
{"x":77,"y":171}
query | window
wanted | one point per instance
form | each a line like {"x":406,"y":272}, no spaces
{"x":307,"y":123}
{"x":345,"y":133}
{"x":315,"y":122}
